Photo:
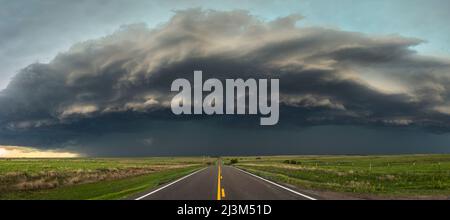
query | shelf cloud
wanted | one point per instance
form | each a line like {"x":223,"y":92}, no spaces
{"x":111,"y":95}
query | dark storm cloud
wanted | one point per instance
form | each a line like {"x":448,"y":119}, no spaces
{"x":114,"y":91}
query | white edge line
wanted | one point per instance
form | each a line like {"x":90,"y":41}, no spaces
{"x":182,"y":178}
{"x":276,"y":184}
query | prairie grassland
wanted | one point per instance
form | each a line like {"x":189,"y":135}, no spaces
{"x":57,"y":178}
{"x":404,"y":176}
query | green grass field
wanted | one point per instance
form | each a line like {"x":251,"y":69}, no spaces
{"x":96,"y":178}
{"x":390,"y":176}
{"x":403,"y":176}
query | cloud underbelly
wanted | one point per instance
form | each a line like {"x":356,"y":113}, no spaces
{"x":327,"y":77}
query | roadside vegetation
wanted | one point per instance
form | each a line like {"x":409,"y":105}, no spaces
{"x":232,"y":161}
{"x":414,"y":176}
{"x":110,"y":178}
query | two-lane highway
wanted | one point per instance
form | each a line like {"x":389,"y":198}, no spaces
{"x":223,"y":183}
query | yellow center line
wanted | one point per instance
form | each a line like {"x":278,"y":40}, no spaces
{"x":219,"y":175}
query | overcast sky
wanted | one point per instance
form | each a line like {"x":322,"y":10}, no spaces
{"x":356,"y":76}
{"x":36,"y":30}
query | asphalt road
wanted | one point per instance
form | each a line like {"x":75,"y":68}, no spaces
{"x":222,"y":183}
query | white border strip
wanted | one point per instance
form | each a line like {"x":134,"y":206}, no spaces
{"x":276,"y":184}
{"x":159,"y":189}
